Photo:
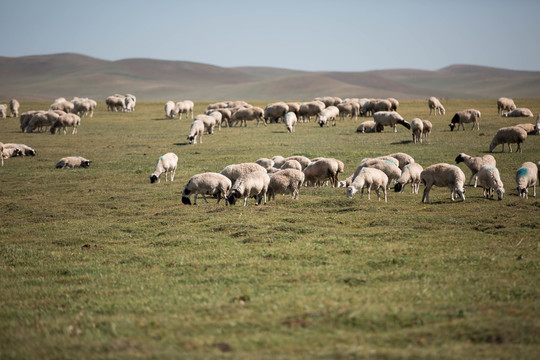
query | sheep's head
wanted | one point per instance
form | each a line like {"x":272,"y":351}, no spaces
{"x":491,"y":147}
{"x":452,"y":126}
{"x":190,"y":139}
{"x":351,"y":190}
{"x":500,"y":193}
{"x":459,"y":158}
{"x":186,"y":200}
{"x":233,"y":196}
{"x":461,"y":193}
{"x":153,"y":178}
{"x":398,"y":187}
{"x":85,"y":163}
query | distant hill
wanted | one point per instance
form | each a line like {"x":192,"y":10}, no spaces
{"x":45,"y":77}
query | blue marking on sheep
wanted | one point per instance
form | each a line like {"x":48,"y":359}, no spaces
{"x":455,"y":167}
{"x":407,"y":166}
{"x":161,"y":158}
{"x":491,"y":168}
{"x":391,"y":162}
{"x":522,"y":172}
{"x":363,"y":169}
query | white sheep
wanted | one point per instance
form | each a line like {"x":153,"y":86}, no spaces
{"x":322,"y":170}
{"x":529,"y":128}
{"x":208,"y":183}
{"x":290,"y":121}
{"x":273,"y":112}
{"x":417,"y":127}
{"x":131,"y":101}
{"x":427,"y":126}
{"x":435,"y":105}
{"x":72,"y":162}
{"x":490,"y":180}
{"x":219,"y":118}
{"x":309,"y":109}
{"x":114,"y":103}
{"x":369,"y":127}
{"x":14,"y":107}
{"x":3,"y":111}
{"x":66,"y":106}
{"x":2,"y":153}
{"x":519,"y":112}
{"x":184,"y":107}
{"x":208,"y":121}
{"x":234,"y":171}
{"x":505,"y":104}
{"x":410,"y":174}
{"x":286,"y":181}
{"x":23,"y":150}
{"x":165,"y":164}
{"x":526,"y":176}
{"x":64,"y":121}
{"x":349,"y":109}
{"x":253,"y":184}
{"x":390,"y":118}
{"x":402,"y":158}
{"x":291,"y":164}
{"x":382,"y":105}
{"x":443,"y":175}
{"x":508,"y":135}
{"x":265,"y":163}
{"x":278,"y":160}
{"x":196,"y":129}
{"x":388,"y":166}
{"x":294,"y":107}
{"x":170,"y":107}
{"x":304,"y":161}
{"x":247,"y":114}
{"x":369,"y":178}
{"x":464,"y":117}
{"x":328,"y":114}
{"x":395,"y":104}
{"x":475,"y":164}
{"x":40,"y":120}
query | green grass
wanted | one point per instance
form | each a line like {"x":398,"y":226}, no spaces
{"x":99,"y":263}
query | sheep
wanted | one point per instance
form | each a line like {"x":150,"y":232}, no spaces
{"x":518,"y":112}
{"x":505,"y":104}
{"x":184,"y":107}
{"x":234,"y":171}
{"x":170,"y":110}
{"x":208,"y":183}
{"x":253,"y":184}
{"x":41,"y":119}
{"x":435,"y":105}
{"x":278,"y":160}
{"x":14,"y":107}
{"x":72,"y":162}
{"x":390,"y":118}
{"x":59,"y":100}
{"x":328,"y":114}
{"x":265,"y":163}
{"x":529,"y":128}
{"x":165,"y":164}
{"x":10,"y":151}
{"x":66,"y":106}
{"x":465,"y":117}
{"x":291,"y":164}
{"x":395,"y":104}
{"x":290,"y":121}
{"x":349,"y":109}
{"x":208,"y":121}
{"x":402,"y":158}
{"x":3,"y":111}
{"x":369,"y":178}
{"x":219,"y":118}
{"x":508,"y":135}
{"x":410,"y":174}
{"x":219,"y":105}
{"x":526,"y":176}
{"x":253,"y":113}
{"x":367,"y":106}
{"x":196,"y":129}
{"x":537,"y":126}
{"x":294,"y":107}
{"x":26,"y":117}
{"x":475,"y":164}
{"x":23,"y":150}
{"x":304,"y":161}
{"x":239,"y":103}
{"x":64,"y":121}
{"x":382,"y":105}
{"x":273,"y":112}
{"x":114,"y":103}
{"x":131,"y":101}
{"x":286,"y":181}
{"x":329,"y":100}
{"x":443,"y":175}
{"x":309,"y":109}
{"x":388,"y":166}
{"x":490,"y":180}
{"x":84,"y":106}
{"x":369,"y":127}
{"x":427,"y":126}
{"x":319,"y":171}
{"x":417,"y":127}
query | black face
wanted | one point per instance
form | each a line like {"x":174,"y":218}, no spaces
{"x":397,"y":187}
{"x":85,"y":164}
{"x":452,"y":126}
{"x":459,"y":159}
{"x":231,"y":199}
{"x":185,"y":200}
{"x":153,"y":179}
{"x":190,"y":138}
{"x":32,"y":153}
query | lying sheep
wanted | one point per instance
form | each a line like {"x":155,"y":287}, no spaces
{"x":274,"y":112}
{"x":508,"y":135}
{"x":443,"y":175}
{"x":165,"y":164}
{"x":208,"y":183}
{"x":72,"y":162}
{"x":14,"y":107}
{"x":402,"y":158}
{"x":328,"y":114}
{"x":291,"y":164}
{"x":286,"y":181}
{"x":390,"y":118}
{"x":64,"y":121}
{"x":519,"y":112}
{"x":369,"y":127}
{"x":417,"y":127}
{"x":349,"y":109}
{"x":410,"y":174}
{"x":23,"y":150}
{"x":505,"y":104}
{"x":465,"y":117}
{"x":248,"y":114}
{"x":490,"y":180}
{"x":3,"y":111}
{"x":234,"y":171}
{"x":196,"y":129}
{"x":435,"y":105}
{"x":208,"y":121}
{"x":320,"y":171}
{"x":427,"y":126}
{"x":254,"y":184}
{"x":475,"y":164}
{"x":290,"y":121}
{"x":369,"y":178}
{"x":526,"y":176}
{"x":9,"y":152}
{"x":170,"y":112}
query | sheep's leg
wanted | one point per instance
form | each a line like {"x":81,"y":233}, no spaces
{"x":172,"y":174}
{"x":385,"y":194}
{"x":362,"y":194}
{"x":519,"y":147}
{"x":204,"y":198}
{"x":166,"y":175}
{"x":452,"y":192}
{"x":378,"y":194}
{"x":470,"y":179}
{"x":369,"y":192}
{"x":395,"y":130}
{"x":245,"y":200}
{"x":426,"y":194}
{"x":195,"y":198}
{"x":510,"y":147}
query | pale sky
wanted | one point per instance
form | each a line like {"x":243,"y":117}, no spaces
{"x":313,"y":35}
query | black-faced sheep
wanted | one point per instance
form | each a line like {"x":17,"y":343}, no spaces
{"x":165,"y":164}
{"x":508,"y":135}
{"x":390,"y":118}
{"x":526,"y":176}
{"x":490,"y":180}
{"x":465,"y":117}
{"x":328,"y":114}
{"x":72,"y":162}
{"x":410,"y":174}
{"x":369,"y":178}
{"x":208,"y":183}
{"x":443,"y":175}
{"x":435,"y":106}
{"x":254,"y":184}
{"x":23,"y":150}
{"x":475,"y":164}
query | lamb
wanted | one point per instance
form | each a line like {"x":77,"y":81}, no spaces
{"x":505,"y":104}
{"x":253,"y":113}
{"x":265,"y":163}
{"x":508,"y":135}
{"x":475,"y":164}
{"x":369,"y":127}
{"x":65,"y":106}
{"x":170,"y":112}
{"x":14,"y":107}
{"x":274,"y":112}
{"x":410,"y":174}
{"x":64,"y":121}
{"x":427,"y":125}
{"x":519,"y":112}
{"x":328,"y":114}
{"x":23,"y":150}
{"x":465,"y":117}
{"x":234,"y":171}
{"x":291,"y":164}
{"x":72,"y":162}
{"x":184,"y":107}
{"x":417,"y":127}
{"x":390,"y":118}
{"x":490,"y":179}
{"x":254,"y":184}
{"x":208,"y":183}
{"x":290,"y":121}
{"x":286,"y":181}
{"x":3,"y":111}
{"x":435,"y":105}
{"x":196,"y":129}
{"x":349,"y":109}
{"x":208,"y":121}
{"x":369,"y":178}
{"x":402,"y":158}
{"x":309,"y":109}
{"x":443,"y":175}
{"x":526,"y":176}
{"x":165,"y":164}
{"x":395,"y":104}
{"x":319,"y":171}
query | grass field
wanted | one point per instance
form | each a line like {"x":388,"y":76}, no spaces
{"x":99,"y":263}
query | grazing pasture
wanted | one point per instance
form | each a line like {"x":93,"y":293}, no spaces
{"x":100,"y":263}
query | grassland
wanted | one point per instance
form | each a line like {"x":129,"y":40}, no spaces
{"x":99,"y":263}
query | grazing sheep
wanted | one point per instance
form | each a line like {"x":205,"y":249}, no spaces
{"x":304,"y":161}
{"x":505,"y":104}
{"x":26,"y":117}
{"x":165,"y":164}
{"x":196,"y":129}
{"x":208,"y":183}
{"x":265,"y":163}
{"x":3,"y":111}
{"x":349,"y":109}
{"x":443,"y":175}
{"x":253,"y":184}
{"x":490,"y":180}
{"x":170,"y":112}
{"x":290,"y":121}
{"x":72,"y":162}
{"x":274,"y":112}
{"x":114,"y":103}
{"x":14,"y":107}
{"x":328,"y":114}
{"x":417,"y":127}
{"x":219,"y":105}
{"x":435,"y":105}
{"x":85,"y":107}
{"x":64,"y":121}
{"x":253,"y":113}
{"x":519,"y":112}
{"x":427,"y":129}
{"x":386,"y":165}
{"x":410,"y":174}
{"x":367,"y":106}
{"x":329,"y":100}
{"x":291,"y":164}
{"x":465,"y":117}
{"x":382,"y":105}
{"x":208,"y":121}
{"x":369,"y":127}
{"x":402,"y":158}
{"x":234,"y":171}
{"x":184,"y":107}
{"x":219,"y":118}
{"x":65,"y":106}
{"x":526,"y":176}
{"x":369,"y":178}
{"x":475,"y":164}
{"x":131,"y":101}
{"x":309,"y":109}
{"x":390,"y":118}
{"x":278,"y":160}
{"x":294,"y":107}
{"x":41,"y":120}
{"x":286,"y":181}
{"x":320,"y":171}
{"x":395,"y":104}
{"x":508,"y":135}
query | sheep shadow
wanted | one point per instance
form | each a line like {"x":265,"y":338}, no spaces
{"x":181,"y":144}
{"x":403,"y":142}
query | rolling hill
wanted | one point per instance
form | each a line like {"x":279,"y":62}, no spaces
{"x":45,"y":77}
